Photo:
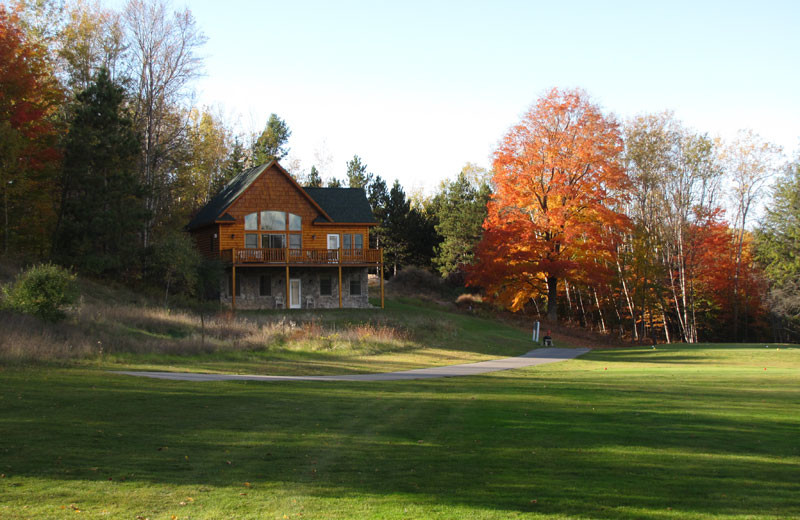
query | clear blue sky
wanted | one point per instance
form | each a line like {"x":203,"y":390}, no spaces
{"x":417,"y":89}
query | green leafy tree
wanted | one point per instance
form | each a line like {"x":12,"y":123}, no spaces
{"x":357,"y":176}
{"x":177,"y":263}
{"x":333,"y":182}
{"x":271,"y":144}
{"x":460,"y":209}
{"x":102,"y":207}
{"x":778,"y":250}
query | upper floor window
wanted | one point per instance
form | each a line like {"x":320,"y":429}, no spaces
{"x":353,"y":241}
{"x":295,"y":222}
{"x":273,"y":220}
{"x":251,"y":222}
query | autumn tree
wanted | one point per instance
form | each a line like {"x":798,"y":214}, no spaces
{"x":92,"y":39}
{"x":272,"y":143}
{"x":29,"y":97}
{"x":163,"y":60}
{"x":750,"y":163}
{"x":558,"y":183}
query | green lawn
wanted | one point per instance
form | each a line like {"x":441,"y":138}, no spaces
{"x":683,"y":432}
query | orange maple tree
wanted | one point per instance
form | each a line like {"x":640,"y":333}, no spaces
{"x":29,"y":96}
{"x":558,"y":184}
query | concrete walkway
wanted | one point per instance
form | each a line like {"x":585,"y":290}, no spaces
{"x":534,"y":357}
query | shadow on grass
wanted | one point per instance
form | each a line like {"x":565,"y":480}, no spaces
{"x":496,"y":443}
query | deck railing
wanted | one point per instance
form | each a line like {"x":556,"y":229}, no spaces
{"x":301,"y":256}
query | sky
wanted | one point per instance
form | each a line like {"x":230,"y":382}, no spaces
{"x":418,"y":89}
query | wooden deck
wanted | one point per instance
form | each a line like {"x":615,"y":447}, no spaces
{"x":302,"y":257}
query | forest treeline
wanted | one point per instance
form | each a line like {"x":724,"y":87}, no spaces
{"x":641,"y":228}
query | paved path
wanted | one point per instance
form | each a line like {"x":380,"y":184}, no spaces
{"x":534,"y":357}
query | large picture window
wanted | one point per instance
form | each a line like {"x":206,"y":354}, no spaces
{"x":273,"y":220}
{"x":251,"y":222}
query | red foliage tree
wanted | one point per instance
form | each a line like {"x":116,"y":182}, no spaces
{"x":29,"y":96}
{"x":558,"y":183}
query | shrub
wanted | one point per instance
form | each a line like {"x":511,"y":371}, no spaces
{"x":43,"y":291}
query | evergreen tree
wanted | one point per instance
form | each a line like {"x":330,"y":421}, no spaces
{"x":235,"y":163}
{"x":271,"y":144}
{"x":778,"y":250}
{"x":460,"y":210}
{"x":333,"y":182}
{"x":357,"y":176}
{"x":102,"y":205}
{"x":314,"y":179}
{"x":392,"y":228}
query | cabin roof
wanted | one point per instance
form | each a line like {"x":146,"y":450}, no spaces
{"x":337,"y":205}
{"x":343,"y":204}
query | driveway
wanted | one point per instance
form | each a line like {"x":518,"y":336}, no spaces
{"x":539,"y":356}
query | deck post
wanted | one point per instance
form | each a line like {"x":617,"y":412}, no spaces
{"x":233,"y":279}
{"x":381,"y":278}
{"x":340,"y":271}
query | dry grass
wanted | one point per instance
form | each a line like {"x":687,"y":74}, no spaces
{"x":96,"y":328}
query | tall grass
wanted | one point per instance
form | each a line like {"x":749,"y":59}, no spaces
{"x":97,"y":328}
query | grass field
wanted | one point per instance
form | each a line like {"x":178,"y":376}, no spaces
{"x":681,"y":432}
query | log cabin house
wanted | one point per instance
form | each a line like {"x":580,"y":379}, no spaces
{"x":285,"y":246}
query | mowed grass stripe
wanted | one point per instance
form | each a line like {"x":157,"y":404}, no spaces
{"x":671,"y":433}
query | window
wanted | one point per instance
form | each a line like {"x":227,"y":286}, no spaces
{"x":273,"y":220}
{"x":250,"y":240}
{"x":265,"y":285}
{"x":325,"y":286}
{"x":273,"y":241}
{"x":295,"y":222}
{"x":353,"y":241}
{"x":355,"y":286}
{"x":251,"y":222}
{"x":295,"y":241}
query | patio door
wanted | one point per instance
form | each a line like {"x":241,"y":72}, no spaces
{"x":333,"y":248}
{"x":294,"y":293}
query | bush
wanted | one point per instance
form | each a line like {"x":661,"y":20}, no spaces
{"x":43,"y":291}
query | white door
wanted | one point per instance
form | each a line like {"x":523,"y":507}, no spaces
{"x":333,"y":248}
{"x":294,"y":293}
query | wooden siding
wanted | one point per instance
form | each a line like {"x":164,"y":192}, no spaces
{"x":273,"y":191}
{"x":205,"y":242}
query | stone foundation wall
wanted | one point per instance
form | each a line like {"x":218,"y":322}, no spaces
{"x":249,"y":280}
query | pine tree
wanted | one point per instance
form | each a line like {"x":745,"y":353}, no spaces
{"x":271,"y":144}
{"x":314,"y":179}
{"x":357,"y":176}
{"x":460,"y":209}
{"x":102,"y":205}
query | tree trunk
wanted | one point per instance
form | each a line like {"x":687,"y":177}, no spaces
{"x":552,"y":295}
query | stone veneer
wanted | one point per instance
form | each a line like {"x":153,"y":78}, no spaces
{"x":249,"y":296}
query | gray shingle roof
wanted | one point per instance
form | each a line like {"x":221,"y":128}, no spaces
{"x":341,"y":204}
{"x":229,"y":193}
